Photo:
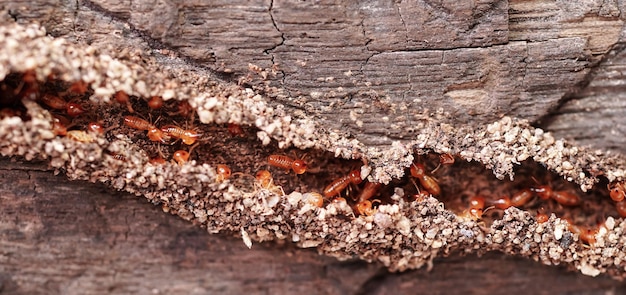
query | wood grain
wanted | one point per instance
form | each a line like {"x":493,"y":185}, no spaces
{"x":377,"y":67}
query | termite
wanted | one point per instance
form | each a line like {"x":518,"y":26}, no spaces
{"x":336,"y":187}
{"x":365,"y":208}
{"x":181,"y":157}
{"x":518,"y":199}
{"x":123,"y":98}
{"x":223,"y":172}
{"x":154,"y":133}
{"x":585,"y":234}
{"x":542,"y":217}
{"x":235,"y":129}
{"x":57,"y":103}
{"x":95,"y":127}
{"x":564,"y":198}
{"x":430,"y":184}
{"x":617,"y":191}
{"x":188,"y":137}
{"x":78,"y":87}
{"x":476,"y":208}
{"x":137,"y":123}
{"x":369,"y":190}
{"x":298,"y":166}
{"x":59,"y":125}
{"x":157,"y":161}
{"x":265,"y":181}
{"x":155,"y":102}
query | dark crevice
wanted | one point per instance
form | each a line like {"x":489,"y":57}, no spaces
{"x":282,"y":42}
{"x":546,"y":120}
{"x":373,"y":284}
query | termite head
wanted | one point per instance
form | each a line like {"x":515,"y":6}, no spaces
{"x":299,"y":166}
{"x":355,"y":176}
{"x":223,"y":172}
{"x":417,"y":170}
{"x":616,"y":191}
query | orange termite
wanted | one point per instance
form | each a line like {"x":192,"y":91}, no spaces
{"x":518,"y":199}
{"x":54,"y":101}
{"x":369,"y":190}
{"x":60,"y":125}
{"x":266,"y":181}
{"x":188,"y":137}
{"x":285,"y":162}
{"x":157,"y":161}
{"x":95,"y":127}
{"x":430,"y":184}
{"x":264,"y":178}
{"x":155,"y":103}
{"x":154,"y":133}
{"x":123,"y":98}
{"x":74,"y":109}
{"x":58,"y":128}
{"x":235,"y":129}
{"x":79,"y":87}
{"x":476,"y":208}
{"x":564,"y":198}
{"x":181,"y":157}
{"x":137,"y":123}
{"x":336,"y":187}
{"x":585,"y":234}
{"x":617,"y":191}
{"x":365,"y":208}
{"x":57,"y":103}
{"x":223,"y":172}
{"x":542,"y":217}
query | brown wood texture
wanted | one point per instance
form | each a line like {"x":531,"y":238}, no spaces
{"x":64,"y":237}
{"x":370,"y":69}
{"x":476,"y":60}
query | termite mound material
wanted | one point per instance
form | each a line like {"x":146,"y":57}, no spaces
{"x":402,"y":233}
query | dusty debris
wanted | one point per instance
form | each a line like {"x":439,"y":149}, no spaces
{"x":401,"y":234}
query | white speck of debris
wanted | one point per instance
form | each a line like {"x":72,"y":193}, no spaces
{"x":246,"y":238}
{"x":589,"y":270}
{"x":365,"y":171}
{"x":609,"y":223}
{"x":558,"y":232}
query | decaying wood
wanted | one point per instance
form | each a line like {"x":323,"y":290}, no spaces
{"x":375,"y":67}
{"x":63,"y":237}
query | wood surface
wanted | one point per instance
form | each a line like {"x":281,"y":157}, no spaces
{"x":476,"y":60}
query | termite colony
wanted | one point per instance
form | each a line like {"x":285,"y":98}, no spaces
{"x":170,"y":134}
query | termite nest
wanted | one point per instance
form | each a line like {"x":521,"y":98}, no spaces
{"x":223,"y":157}
{"x":169,"y":133}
